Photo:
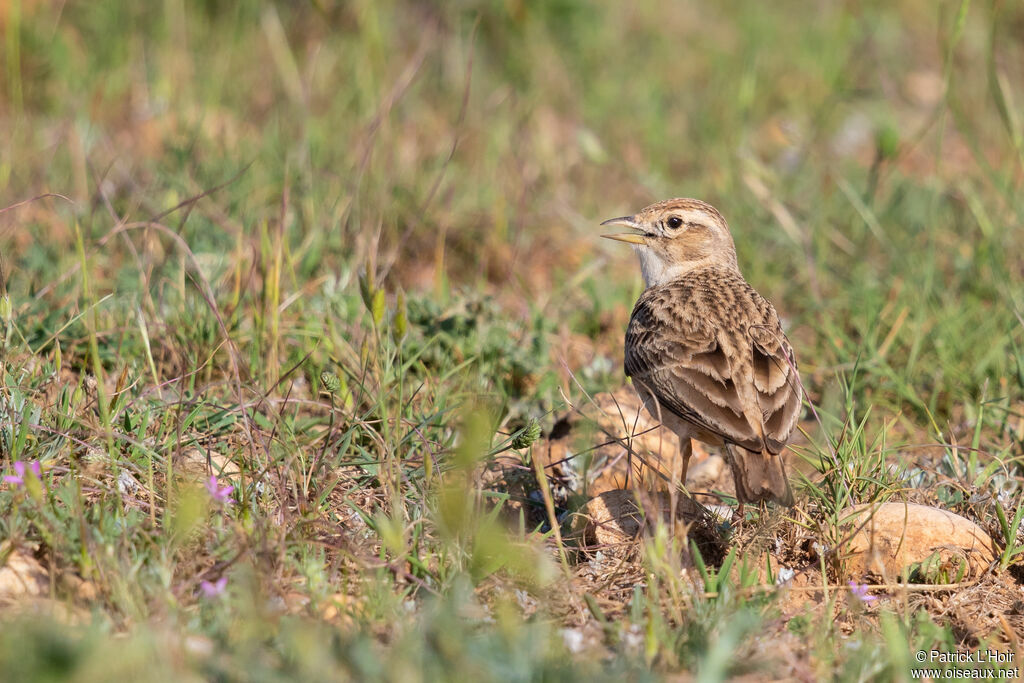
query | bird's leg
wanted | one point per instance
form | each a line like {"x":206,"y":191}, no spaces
{"x":685,"y":453}
{"x":679,"y":467}
{"x":739,"y":519}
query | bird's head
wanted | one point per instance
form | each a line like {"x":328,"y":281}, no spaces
{"x":675,"y":237}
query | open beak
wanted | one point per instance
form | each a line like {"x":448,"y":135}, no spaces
{"x":629,"y":237}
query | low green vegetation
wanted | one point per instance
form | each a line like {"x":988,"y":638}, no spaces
{"x":282,"y":282}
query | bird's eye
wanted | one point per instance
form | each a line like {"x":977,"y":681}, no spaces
{"x":675,"y":222}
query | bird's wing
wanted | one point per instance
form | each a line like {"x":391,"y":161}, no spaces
{"x":775,"y":380}
{"x":690,"y":357}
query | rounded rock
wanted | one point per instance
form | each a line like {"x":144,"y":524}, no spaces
{"x":888,"y":538}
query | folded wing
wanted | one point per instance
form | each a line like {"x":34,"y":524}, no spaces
{"x":730,"y":372}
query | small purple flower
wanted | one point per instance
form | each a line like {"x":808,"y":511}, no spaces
{"x":860,"y":591}
{"x":213,"y":589}
{"x":18,"y":479}
{"x":217,"y":492}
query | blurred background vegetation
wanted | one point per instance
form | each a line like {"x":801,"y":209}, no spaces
{"x":245,"y":196}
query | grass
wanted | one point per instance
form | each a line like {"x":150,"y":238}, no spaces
{"x":343,"y":257}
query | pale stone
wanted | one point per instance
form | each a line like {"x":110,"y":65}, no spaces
{"x":888,"y":537}
{"x":22,"y":576}
{"x":612,"y":520}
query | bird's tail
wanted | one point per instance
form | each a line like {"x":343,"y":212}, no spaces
{"x":759,"y":476}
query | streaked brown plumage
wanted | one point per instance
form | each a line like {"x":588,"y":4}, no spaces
{"x":705,"y":351}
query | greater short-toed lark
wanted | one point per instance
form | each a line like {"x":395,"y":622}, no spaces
{"x":706,"y":352}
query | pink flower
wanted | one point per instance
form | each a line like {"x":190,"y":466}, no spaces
{"x":860,"y":591}
{"x":212,"y":590}
{"x":217,"y":492}
{"x":18,"y":479}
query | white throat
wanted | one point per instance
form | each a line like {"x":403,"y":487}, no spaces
{"x":655,"y":270}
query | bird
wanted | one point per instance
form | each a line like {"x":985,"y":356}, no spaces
{"x":705,"y":352}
